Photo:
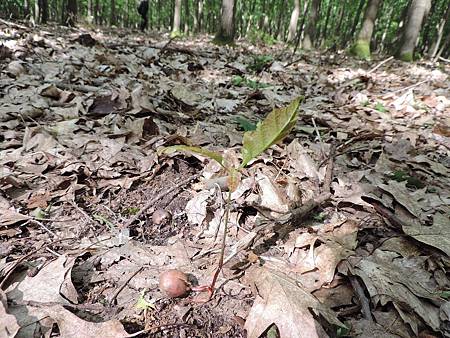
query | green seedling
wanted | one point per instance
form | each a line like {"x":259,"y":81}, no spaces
{"x":131,"y":211}
{"x":411,"y":181}
{"x":380,"y":107}
{"x":245,"y":124}
{"x":272,"y":130}
{"x":260,"y":62}
{"x":240,"y":81}
{"x":144,"y":304}
{"x":103,"y":220}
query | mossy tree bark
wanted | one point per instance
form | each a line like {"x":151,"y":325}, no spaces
{"x":225,"y":33}
{"x":361,"y":48}
{"x":416,"y":14}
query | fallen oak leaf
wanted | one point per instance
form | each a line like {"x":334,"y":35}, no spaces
{"x":281,"y":301}
{"x":71,"y":326}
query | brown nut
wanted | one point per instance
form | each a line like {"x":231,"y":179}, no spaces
{"x":161,"y":216}
{"x":174,"y":283}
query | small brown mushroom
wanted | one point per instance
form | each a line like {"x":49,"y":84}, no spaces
{"x":174,"y":283}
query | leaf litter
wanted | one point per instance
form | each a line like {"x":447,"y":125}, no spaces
{"x":339,"y":230}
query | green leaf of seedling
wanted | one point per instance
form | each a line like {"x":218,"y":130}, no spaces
{"x":237,"y":80}
{"x":270,"y":131}
{"x":380,"y":107}
{"x":245,"y":124}
{"x":197,"y":150}
{"x":143,"y":304}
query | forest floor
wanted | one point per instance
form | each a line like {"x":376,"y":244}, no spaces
{"x":91,"y":214}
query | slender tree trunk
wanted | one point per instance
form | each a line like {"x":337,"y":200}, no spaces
{"x":416,"y":15}
{"x":323,"y":34}
{"x":444,"y":50}
{"x":176,"y":18}
{"x":112,"y":18}
{"x":309,"y":39}
{"x":225,"y":33}
{"x":294,"y":21}
{"x":26,"y":9}
{"x":96,"y":11}
{"x":72,"y":10}
{"x":386,"y":29}
{"x":200,"y":15}
{"x":361,"y":48}
{"x":37,"y":12}
{"x":426,"y":38}
{"x":44,"y":10}
{"x":356,"y":19}
{"x":440,"y":33}
{"x":279,"y":33}
{"x":186,"y":16}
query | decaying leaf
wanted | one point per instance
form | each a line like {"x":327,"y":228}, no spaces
{"x":283,"y":302}
{"x":71,"y":326}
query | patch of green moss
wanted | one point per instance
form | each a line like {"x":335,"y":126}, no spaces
{"x":361,"y":49}
{"x":407,"y":57}
{"x":176,"y":34}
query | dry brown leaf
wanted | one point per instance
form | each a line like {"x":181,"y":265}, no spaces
{"x":71,"y":326}
{"x":281,"y":301}
{"x":8,"y":323}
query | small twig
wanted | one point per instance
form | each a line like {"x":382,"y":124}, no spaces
{"x":11,"y":24}
{"x":406,"y":88}
{"x":222,"y":249}
{"x":44,"y":227}
{"x":161,"y":195}
{"x":163,"y":49}
{"x":318,"y":136}
{"x":363,"y":301}
{"x":330,"y":166}
{"x":445,"y":60}
{"x":155,"y":329}
{"x":91,"y":307}
{"x":379,"y":65}
{"x":119,"y":290}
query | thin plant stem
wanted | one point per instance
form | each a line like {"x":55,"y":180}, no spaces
{"x":222,"y":249}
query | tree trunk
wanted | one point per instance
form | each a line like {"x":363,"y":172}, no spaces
{"x":426,"y":38}
{"x":112,"y":18}
{"x":225,"y":33}
{"x":176,"y":18}
{"x":356,"y":20}
{"x":386,"y":29}
{"x":200,"y":15}
{"x":440,"y":33}
{"x":361,"y":48}
{"x":44,"y":10}
{"x":37,"y":12}
{"x":186,"y":16}
{"x":309,"y":38}
{"x":72,"y":10}
{"x":294,"y":20}
{"x":26,"y":9}
{"x":416,"y":15}
{"x":323,"y":34}
{"x":279,"y":33}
